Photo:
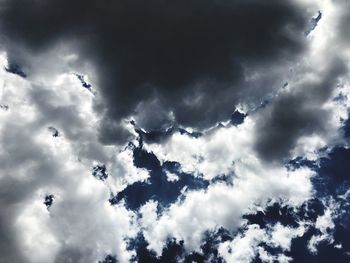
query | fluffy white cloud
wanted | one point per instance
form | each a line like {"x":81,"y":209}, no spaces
{"x":282,"y":236}
{"x":244,"y":247}
{"x":325,"y":225}
{"x":248,"y":245}
{"x":223,"y":205}
{"x":81,"y":225}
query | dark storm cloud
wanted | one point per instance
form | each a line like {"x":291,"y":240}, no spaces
{"x":191,"y":56}
{"x":297,"y":113}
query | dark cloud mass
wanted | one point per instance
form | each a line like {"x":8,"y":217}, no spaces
{"x":190,"y":55}
{"x":297,"y":113}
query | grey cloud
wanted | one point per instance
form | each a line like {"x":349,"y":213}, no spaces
{"x":65,"y":119}
{"x":343,"y":27}
{"x":8,"y":243}
{"x":14,"y":189}
{"x":28,"y":167}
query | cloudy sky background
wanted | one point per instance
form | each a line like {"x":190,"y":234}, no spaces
{"x":187,"y":131}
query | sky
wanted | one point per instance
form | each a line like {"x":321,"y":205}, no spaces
{"x":174,"y":131}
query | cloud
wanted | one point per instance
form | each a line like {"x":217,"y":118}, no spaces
{"x":224,"y":205}
{"x":164,"y":64}
{"x":242,"y":248}
{"x":325,"y":225}
{"x":158,"y":186}
{"x":249,"y":245}
{"x":297,"y":112}
{"x":200,"y":129}
{"x":81,"y":225}
{"x":181,"y":54}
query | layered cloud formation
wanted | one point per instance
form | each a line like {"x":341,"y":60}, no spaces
{"x":186,"y":131}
